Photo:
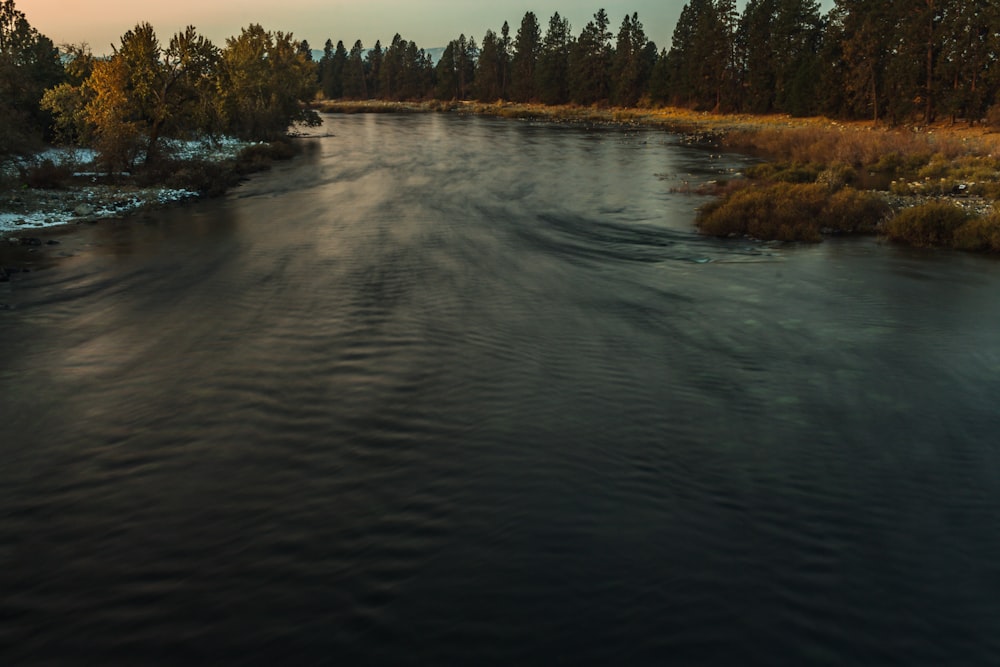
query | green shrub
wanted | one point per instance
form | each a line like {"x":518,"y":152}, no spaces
{"x":791,"y":212}
{"x":931,"y":224}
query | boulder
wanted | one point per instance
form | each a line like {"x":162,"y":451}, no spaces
{"x":83,"y":210}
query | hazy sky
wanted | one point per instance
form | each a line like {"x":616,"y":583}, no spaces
{"x":429,"y":23}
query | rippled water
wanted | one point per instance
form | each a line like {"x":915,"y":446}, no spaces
{"x":469,"y":391}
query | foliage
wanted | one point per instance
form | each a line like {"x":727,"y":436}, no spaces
{"x":524,"y":60}
{"x":792,"y":212}
{"x":29,"y":63}
{"x":979,"y":234}
{"x":552,"y":76}
{"x":262,"y":82}
{"x":930,"y":224}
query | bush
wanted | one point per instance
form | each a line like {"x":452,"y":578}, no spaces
{"x":979,"y":234}
{"x":259,"y":157}
{"x":792,"y":212}
{"x":932,"y":224}
{"x":46,"y":175}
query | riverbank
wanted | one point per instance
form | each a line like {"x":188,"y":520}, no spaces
{"x":64,"y":186}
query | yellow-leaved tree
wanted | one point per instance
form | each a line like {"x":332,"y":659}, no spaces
{"x":264,"y":82}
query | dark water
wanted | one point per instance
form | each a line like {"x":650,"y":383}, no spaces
{"x":465,"y":391}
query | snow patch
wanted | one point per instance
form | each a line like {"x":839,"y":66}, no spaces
{"x":90,"y":204}
{"x":97,"y":202}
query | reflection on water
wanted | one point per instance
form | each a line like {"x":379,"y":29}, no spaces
{"x":468,"y":391}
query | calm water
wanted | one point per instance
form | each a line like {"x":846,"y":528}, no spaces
{"x":468,"y":391}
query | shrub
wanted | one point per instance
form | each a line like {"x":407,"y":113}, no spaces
{"x":979,"y":234}
{"x":46,"y":174}
{"x":259,"y":157}
{"x":852,"y":211}
{"x":931,"y":224}
{"x":792,"y":212}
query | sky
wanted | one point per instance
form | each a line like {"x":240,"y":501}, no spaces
{"x":429,"y":23}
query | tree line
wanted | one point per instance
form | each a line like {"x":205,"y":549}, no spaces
{"x":551,"y":66}
{"x":896,"y":61}
{"x":888,"y":60}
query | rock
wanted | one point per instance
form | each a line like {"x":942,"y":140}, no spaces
{"x":31,"y":241}
{"x":83,"y":210}
{"x":52,"y":242}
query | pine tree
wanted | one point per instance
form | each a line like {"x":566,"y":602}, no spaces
{"x":634,"y":59}
{"x":29,"y":63}
{"x":524,"y":62}
{"x":865,"y":31}
{"x":506,"y":51}
{"x":373,"y":65}
{"x":355,"y":76}
{"x":552,"y":80}
{"x":590,"y":68}
{"x":489,"y":70}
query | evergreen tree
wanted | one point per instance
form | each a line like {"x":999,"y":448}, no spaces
{"x":373,"y":64}
{"x":446,"y":75}
{"x":973,"y":37}
{"x":552,"y":76}
{"x":506,"y":51}
{"x":29,"y":64}
{"x":659,"y":84}
{"x":489,"y":69}
{"x":355,"y":76}
{"x":777,"y":44}
{"x":455,"y":72}
{"x":590,"y":62}
{"x":392,"y":67}
{"x":305,"y":50}
{"x":524,"y":62}
{"x":865,"y":30}
{"x":756,"y":55}
{"x":701,"y":63}
{"x":633,"y":62}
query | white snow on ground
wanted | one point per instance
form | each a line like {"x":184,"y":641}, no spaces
{"x":216,"y":150}
{"x":107,"y":203}
{"x":97,"y":202}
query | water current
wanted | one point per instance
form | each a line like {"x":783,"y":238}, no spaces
{"x":450,"y":390}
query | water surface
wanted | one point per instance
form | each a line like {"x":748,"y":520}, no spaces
{"x":455,"y":390}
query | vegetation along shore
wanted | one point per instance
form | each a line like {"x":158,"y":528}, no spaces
{"x":873,"y":119}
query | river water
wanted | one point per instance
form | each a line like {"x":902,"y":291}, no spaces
{"x":452,"y":390}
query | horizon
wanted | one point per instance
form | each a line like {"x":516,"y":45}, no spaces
{"x":431,"y":24}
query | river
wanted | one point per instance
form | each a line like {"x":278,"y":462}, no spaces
{"x":450,"y":390}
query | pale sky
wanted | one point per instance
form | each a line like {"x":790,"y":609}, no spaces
{"x":429,"y":23}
